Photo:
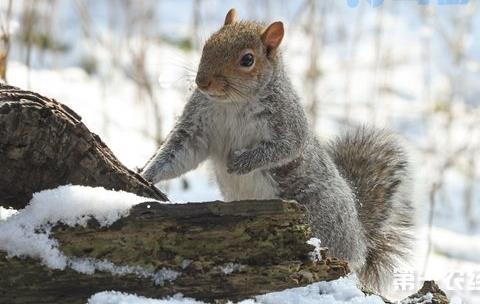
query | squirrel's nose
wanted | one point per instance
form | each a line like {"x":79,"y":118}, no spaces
{"x":203,"y":82}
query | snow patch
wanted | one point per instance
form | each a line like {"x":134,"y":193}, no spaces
{"x":343,"y":290}
{"x":316,"y":254}
{"x":340,"y":291}
{"x":230,"y":268}
{"x":186,"y":263}
{"x":423,"y":299}
{"x":452,"y":244}
{"x":115,"y":297}
{"x":165,"y":275}
{"x":6,"y":213}
{"x":89,"y":265}
{"x":27,"y":233}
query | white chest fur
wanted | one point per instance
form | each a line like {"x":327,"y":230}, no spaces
{"x":239,"y":127}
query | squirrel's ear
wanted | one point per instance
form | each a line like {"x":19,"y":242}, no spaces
{"x":231,"y":16}
{"x":273,"y":35}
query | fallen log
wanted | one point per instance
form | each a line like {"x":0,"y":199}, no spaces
{"x":217,"y":250}
{"x":44,"y":144}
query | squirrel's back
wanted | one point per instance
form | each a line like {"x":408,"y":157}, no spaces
{"x":377,"y":169}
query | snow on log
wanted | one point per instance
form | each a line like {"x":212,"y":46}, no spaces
{"x":207,"y":251}
{"x":44,"y":144}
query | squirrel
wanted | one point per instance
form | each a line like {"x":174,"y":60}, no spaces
{"x":245,"y":117}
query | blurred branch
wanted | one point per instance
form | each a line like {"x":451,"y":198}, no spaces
{"x":469,"y":194}
{"x":129,"y":51}
{"x":316,"y":30}
{"x":436,"y":185}
{"x":378,"y":62}
{"x":195,"y":37}
{"x":140,"y":19}
{"x":350,"y":61}
{"x":5,"y":19}
{"x":28,"y":20}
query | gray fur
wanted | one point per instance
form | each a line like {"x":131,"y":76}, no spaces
{"x":261,"y":148}
{"x":377,"y":169}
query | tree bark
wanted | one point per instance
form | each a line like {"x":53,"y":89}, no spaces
{"x":44,"y":144}
{"x":265,"y":241}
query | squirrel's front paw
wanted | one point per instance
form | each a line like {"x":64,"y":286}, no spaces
{"x":153,"y":172}
{"x":148,"y":175}
{"x":239,"y":162}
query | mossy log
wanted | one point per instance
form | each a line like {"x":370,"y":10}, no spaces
{"x":262,"y":242}
{"x":44,"y":144}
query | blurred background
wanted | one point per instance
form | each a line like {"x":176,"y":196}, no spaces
{"x":128,"y":66}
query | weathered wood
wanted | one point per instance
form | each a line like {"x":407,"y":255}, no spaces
{"x":44,"y":144}
{"x":429,"y":290}
{"x":267,"y":238}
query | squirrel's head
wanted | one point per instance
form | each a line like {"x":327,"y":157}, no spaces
{"x":239,"y":59}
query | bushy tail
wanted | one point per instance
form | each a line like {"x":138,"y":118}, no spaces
{"x":377,"y":169}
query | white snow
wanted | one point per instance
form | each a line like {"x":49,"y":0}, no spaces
{"x":315,"y":254}
{"x":165,"y":275}
{"x":341,"y":291}
{"x":115,"y":297}
{"x":231,"y":267}
{"x":461,"y":246}
{"x":27,"y":232}
{"x":423,"y":299}
{"x":6,"y":213}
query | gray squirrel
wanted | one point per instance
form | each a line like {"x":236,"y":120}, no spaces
{"x":246,"y":118}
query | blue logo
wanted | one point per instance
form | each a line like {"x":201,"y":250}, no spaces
{"x":452,"y":2}
{"x":377,"y":3}
{"x":372,"y":3}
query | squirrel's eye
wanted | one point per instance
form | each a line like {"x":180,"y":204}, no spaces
{"x":247,"y":60}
